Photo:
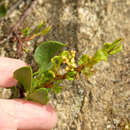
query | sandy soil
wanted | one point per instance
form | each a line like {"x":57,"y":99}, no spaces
{"x":103,"y":101}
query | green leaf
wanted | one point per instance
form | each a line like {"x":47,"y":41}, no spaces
{"x":35,"y":83}
{"x":115,"y":43}
{"x":3,"y":10}
{"x":66,"y":54}
{"x":45,"y":52}
{"x":71,"y":75}
{"x":26,"y":31}
{"x":57,"y":60}
{"x":39,"y":26}
{"x":40,"y":95}
{"x":100,"y":55}
{"x":108,"y":47}
{"x":116,"y":50}
{"x":83,"y":59}
{"x":45,"y":31}
{"x":48,"y":75}
{"x":24,"y":77}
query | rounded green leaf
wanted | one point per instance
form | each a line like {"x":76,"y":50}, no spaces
{"x":40,"y":95}
{"x":45,"y":52}
{"x":24,"y":77}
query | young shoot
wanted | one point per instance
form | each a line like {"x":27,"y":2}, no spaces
{"x":37,"y":86}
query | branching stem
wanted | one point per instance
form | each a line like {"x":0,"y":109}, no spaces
{"x":62,"y":77}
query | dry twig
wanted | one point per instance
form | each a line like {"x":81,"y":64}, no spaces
{"x":14,"y":29}
{"x":26,"y":13}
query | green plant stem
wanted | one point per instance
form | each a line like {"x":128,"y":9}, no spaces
{"x":62,"y":77}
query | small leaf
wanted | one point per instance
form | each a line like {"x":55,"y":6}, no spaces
{"x":52,"y":74}
{"x":35,"y":83}
{"x":66,"y":54}
{"x":57,"y":60}
{"x":100,"y":55}
{"x":116,"y":50}
{"x":49,"y":75}
{"x":3,"y":10}
{"x":71,"y":75}
{"x":83,"y":59}
{"x":39,"y":26}
{"x":45,"y":52}
{"x":40,"y":95}
{"x":26,"y":31}
{"x":24,"y":77}
{"x":45,"y":31}
{"x":115,"y":43}
{"x":108,"y":47}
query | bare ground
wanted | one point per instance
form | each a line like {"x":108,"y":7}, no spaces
{"x":103,"y":101}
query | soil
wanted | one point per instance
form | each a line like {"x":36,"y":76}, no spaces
{"x":103,"y":101}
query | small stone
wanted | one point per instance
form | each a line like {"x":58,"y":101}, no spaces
{"x":108,"y":126}
{"x":40,"y":2}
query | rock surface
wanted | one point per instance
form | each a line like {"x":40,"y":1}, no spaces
{"x":103,"y":101}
